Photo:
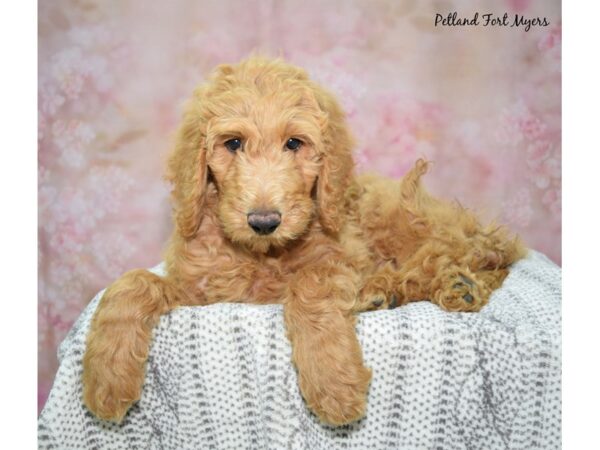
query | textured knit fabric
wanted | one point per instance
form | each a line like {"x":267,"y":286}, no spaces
{"x":220,"y":377}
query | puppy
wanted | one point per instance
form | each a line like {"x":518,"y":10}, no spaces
{"x":267,"y":210}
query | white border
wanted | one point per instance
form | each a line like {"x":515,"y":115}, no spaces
{"x":18,"y":236}
{"x":581,"y":225}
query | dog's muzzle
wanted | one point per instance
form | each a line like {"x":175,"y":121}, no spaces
{"x":264,"y":222}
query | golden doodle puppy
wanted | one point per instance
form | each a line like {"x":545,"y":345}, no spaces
{"x":267,"y":209}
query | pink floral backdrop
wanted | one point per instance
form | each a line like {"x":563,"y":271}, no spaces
{"x":483,"y":103}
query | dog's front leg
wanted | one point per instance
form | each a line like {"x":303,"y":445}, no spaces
{"x":325,"y":349}
{"x":119,"y":340}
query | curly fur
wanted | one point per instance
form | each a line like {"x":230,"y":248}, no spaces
{"x":345,"y":244}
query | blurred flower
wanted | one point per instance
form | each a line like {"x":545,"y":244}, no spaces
{"x":66,"y":70}
{"x":518,"y":124}
{"x":71,"y":139}
{"x":550,"y":42}
{"x":50,"y":99}
{"x":400,"y":131}
{"x":42,"y":125}
{"x":518,"y":210}
{"x":518,"y":6}
{"x":346,"y":86}
{"x":552,"y":199}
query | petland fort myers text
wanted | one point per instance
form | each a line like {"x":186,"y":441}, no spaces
{"x":490,"y":20}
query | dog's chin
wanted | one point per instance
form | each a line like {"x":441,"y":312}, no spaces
{"x":259,"y":245}
{"x":263,"y":244}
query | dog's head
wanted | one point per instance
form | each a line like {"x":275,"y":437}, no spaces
{"x":274,"y":145}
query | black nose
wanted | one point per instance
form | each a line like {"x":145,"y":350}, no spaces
{"x":264,"y":222}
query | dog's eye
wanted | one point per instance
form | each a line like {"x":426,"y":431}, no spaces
{"x":233,"y":144}
{"x":293,"y":144}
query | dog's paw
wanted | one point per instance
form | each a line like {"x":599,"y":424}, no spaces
{"x":461,"y":291}
{"x":374,"y":299}
{"x":339,"y":402}
{"x":110,"y":388}
{"x":108,"y":401}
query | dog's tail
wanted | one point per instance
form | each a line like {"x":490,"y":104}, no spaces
{"x":410,"y":186}
{"x":414,"y":199}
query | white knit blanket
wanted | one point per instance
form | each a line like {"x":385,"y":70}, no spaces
{"x":220,"y":377}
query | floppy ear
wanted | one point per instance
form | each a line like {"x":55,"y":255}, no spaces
{"x":337,"y":164}
{"x":187,"y":170}
{"x":187,"y":167}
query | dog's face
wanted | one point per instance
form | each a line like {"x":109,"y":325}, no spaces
{"x":264,"y":153}
{"x":276,"y":149}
